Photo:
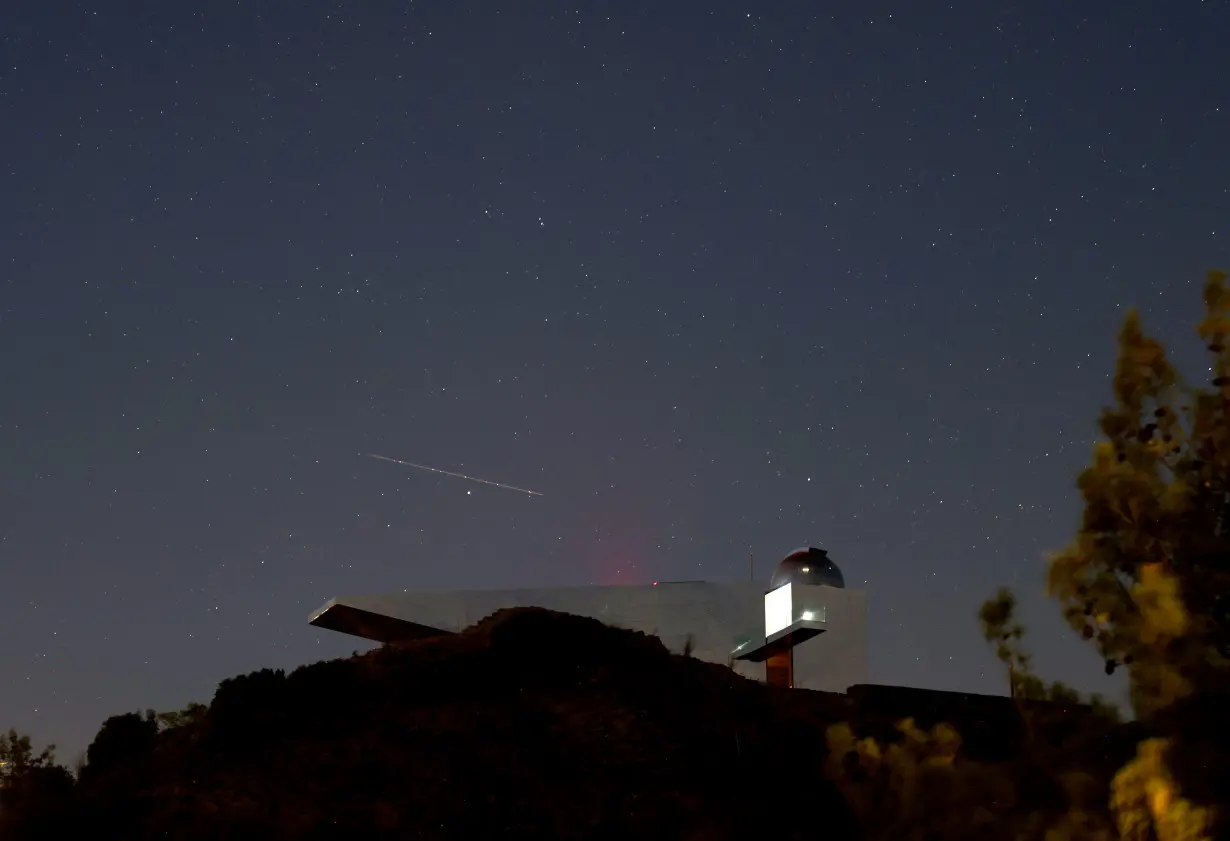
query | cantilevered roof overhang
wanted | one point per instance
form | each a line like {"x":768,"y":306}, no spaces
{"x":796,"y":632}
{"x":337,"y":615}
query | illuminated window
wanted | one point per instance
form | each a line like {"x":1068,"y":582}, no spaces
{"x":778,"y":610}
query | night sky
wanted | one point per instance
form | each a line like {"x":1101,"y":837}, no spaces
{"x":713,"y":278}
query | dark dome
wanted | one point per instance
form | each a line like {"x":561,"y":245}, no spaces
{"x":807,"y":566}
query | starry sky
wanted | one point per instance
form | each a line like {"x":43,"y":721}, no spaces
{"x":713,"y":278}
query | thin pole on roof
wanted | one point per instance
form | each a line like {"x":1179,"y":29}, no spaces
{"x":751,"y":567}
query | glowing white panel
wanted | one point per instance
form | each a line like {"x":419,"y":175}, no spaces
{"x":778,"y":610}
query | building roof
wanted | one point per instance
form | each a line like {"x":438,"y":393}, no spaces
{"x":345,"y":618}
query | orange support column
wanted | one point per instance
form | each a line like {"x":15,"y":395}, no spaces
{"x":779,"y":669}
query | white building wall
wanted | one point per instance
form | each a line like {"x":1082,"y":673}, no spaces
{"x":837,"y":659}
{"x":715,"y":616}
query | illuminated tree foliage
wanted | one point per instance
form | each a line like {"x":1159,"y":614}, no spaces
{"x":916,"y":787}
{"x":1148,"y":575}
{"x":1147,"y":803}
{"x":1147,"y":578}
{"x":918,"y":784}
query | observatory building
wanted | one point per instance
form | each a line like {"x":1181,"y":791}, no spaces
{"x":806,"y":629}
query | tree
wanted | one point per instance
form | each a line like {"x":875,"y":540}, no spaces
{"x":17,"y":756}
{"x":120,"y":741}
{"x":194,"y":713}
{"x":1001,"y":629}
{"x":1147,"y":578}
{"x":36,"y":795}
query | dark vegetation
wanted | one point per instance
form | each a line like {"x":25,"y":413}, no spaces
{"x":538,"y":725}
{"x":530,"y":725}
{"x":534,"y":724}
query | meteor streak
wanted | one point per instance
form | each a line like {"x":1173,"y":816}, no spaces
{"x":457,"y":475}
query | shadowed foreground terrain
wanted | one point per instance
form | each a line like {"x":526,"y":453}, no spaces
{"x":529,"y":725}
{"x":535,"y":724}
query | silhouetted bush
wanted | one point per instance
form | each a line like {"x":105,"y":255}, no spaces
{"x":123,"y":740}
{"x":247,"y":711}
{"x":39,"y":804}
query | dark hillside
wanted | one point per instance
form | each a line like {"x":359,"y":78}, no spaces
{"x":530,"y":725}
{"x":535,"y":724}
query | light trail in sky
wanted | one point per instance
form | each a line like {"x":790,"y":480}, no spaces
{"x":456,"y":475}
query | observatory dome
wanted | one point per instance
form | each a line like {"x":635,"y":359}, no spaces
{"x":807,"y":566}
